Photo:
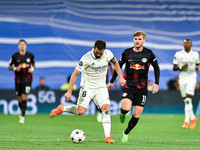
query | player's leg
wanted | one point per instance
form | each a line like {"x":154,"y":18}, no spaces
{"x":78,"y":109}
{"x":189,"y":93}
{"x":126,"y":103}
{"x":106,"y":122}
{"x":19,"y":97}
{"x":99,"y":114}
{"x":26,"y":89}
{"x":137,"y":111}
{"x":138,"y":103}
{"x":186,"y":107}
{"x":102,"y":100}
{"x":20,"y":104}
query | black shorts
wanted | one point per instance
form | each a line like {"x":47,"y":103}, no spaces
{"x":137,"y":96}
{"x":24,"y":88}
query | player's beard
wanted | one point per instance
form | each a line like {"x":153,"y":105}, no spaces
{"x":97,"y":57}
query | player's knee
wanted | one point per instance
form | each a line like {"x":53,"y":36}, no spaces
{"x":81,"y":110}
{"x":136,"y":115}
{"x":105,"y":107}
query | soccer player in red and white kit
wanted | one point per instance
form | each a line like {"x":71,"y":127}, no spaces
{"x":134,"y":93}
{"x":23,"y":63}
{"x":187,"y":62}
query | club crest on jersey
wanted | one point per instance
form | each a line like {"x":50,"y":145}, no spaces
{"x":107,"y":60}
{"x":137,"y":66}
{"x":144,"y":60}
{"x":28,"y":60}
{"x":124,"y":94}
{"x":80,"y":63}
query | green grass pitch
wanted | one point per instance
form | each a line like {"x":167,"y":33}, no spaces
{"x":40,"y":132}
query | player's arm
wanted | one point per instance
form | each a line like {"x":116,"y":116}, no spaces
{"x":121,"y":62}
{"x":197,"y":62}
{"x":10,"y":66}
{"x":30,"y":70}
{"x":71,"y":84}
{"x":197,"y":67}
{"x":112,"y":71}
{"x":156,"y":67}
{"x":118,"y":72}
{"x":176,"y":67}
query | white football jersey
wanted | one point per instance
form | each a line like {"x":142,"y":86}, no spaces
{"x":94,"y":70}
{"x":187,"y":75}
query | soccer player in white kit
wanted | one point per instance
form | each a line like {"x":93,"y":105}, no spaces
{"x":93,"y":66}
{"x":187,"y":62}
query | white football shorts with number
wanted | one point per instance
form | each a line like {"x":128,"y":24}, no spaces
{"x":93,"y":78}
{"x":99,"y":96}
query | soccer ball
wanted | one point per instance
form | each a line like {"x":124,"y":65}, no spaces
{"x":77,"y":136}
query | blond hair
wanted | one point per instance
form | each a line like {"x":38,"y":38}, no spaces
{"x":138,"y":33}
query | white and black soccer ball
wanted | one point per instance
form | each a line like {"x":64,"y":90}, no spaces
{"x":77,"y":136}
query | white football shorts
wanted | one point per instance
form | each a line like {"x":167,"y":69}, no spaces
{"x":187,"y":89}
{"x":100,"y":96}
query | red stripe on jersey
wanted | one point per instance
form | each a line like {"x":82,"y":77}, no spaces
{"x":135,"y":79}
{"x":124,"y":75}
{"x":143,"y":83}
{"x":18,"y":81}
{"x":138,"y":87}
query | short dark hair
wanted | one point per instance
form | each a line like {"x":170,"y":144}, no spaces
{"x":42,"y":78}
{"x":187,"y":40}
{"x":100,"y":44}
{"x":22,"y":40}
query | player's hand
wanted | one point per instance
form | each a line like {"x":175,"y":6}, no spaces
{"x":122,"y":81}
{"x":184,"y":66}
{"x":68,"y":95}
{"x":30,"y":70}
{"x":110,"y":85}
{"x":155,"y":88}
{"x":18,"y":68}
{"x":197,"y":67}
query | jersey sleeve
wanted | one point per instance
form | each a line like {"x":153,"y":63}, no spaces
{"x":82,"y":64}
{"x":110,"y":55}
{"x":154,"y":63}
{"x":197,"y":59}
{"x":32,"y":58}
{"x":12,"y":60}
{"x":175,"y":60}
{"x":122,"y":59}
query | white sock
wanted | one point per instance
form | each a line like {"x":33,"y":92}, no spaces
{"x":192,"y":116}
{"x":189,"y":114}
{"x":70,"y":109}
{"x":106,"y":122}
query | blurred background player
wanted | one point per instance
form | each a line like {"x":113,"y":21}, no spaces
{"x":173,"y":85}
{"x":42,"y":85}
{"x":23,"y":63}
{"x":187,"y":62}
{"x":65,"y":86}
{"x":134,"y":93}
{"x":93,"y":68}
